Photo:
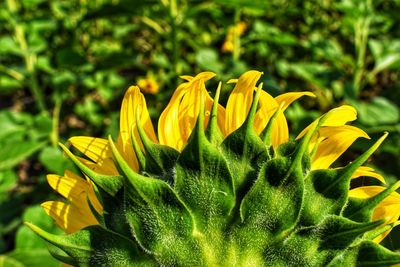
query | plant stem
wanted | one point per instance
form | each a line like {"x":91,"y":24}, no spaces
{"x":361,"y":32}
{"x":173,"y":12}
{"x":236,"y":38}
{"x":54,"y":136}
{"x":29,"y":57}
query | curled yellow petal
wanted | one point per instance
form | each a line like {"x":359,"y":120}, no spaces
{"x":68,"y":216}
{"x":368,"y":172}
{"x":240,"y":100}
{"x":289,"y":98}
{"x":336,"y":140}
{"x":96,"y":149}
{"x":335,"y":117}
{"x":388,"y":209}
{"x":268,"y":105}
{"x":179,"y":117}
{"x":74,"y":188}
{"x":132,"y":103}
{"x":106,"y":167}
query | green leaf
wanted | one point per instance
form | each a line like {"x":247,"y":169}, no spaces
{"x":54,"y":160}
{"x":379,"y":111}
{"x":13,"y":153}
{"x":8,"y":180}
{"x":7,"y":261}
{"x":207,"y":59}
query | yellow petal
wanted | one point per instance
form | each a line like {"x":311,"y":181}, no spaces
{"x":179,"y":117}
{"x":96,"y":149}
{"x":368,"y":172}
{"x":337,"y":141}
{"x":289,"y":98}
{"x":74,"y":188}
{"x":132,"y":103}
{"x":70,"y":186}
{"x":69,"y":217}
{"x":364,"y":192}
{"x":390,"y":213}
{"x":280,"y":130}
{"x":335,"y":117}
{"x":388,"y":209}
{"x":107,"y":166}
{"x":240,"y":100}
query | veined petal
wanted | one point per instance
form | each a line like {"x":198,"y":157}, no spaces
{"x":106,"y":167}
{"x":96,"y":149}
{"x":268,"y":105}
{"x":75,"y":189}
{"x":389,"y":212}
{"x":240,"y":100}
{"x":70,"y":186}
{"x":388,"y":209}
{"x":179,"y":117}
{"x":69,"y":217}
{"x":289,"y":98}
{"x":364,"y":192}
{"x":337,"y":141}
{"x":335,"y":117}
{"x":132,"y":103}
{"x":369,"y":172}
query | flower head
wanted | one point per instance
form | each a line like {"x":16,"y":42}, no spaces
{"x":175,"y":166}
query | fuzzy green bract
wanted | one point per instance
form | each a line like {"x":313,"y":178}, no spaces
{"x":237,"y":202}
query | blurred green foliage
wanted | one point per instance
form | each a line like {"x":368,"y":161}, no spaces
{"x":64,"y":66}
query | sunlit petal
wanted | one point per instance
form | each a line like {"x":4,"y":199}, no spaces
{"x":368,"y":172}
{"x":337,"y":141}
{"x":289,"y":98}
{"x":132,"y":103}
{"x":280,"y":130}
{"x":68,"y":216}
{"x":335,"y":117}
{"x":240,"y":100}
{"x":179,"y":117}
{"x":96,"y":149}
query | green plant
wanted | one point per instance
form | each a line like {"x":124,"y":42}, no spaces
{"x":236,"y":193}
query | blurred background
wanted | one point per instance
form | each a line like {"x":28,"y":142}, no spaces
{"x":65,"y":65}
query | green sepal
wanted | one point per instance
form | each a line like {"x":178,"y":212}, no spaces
{"x":203,"y":180}
{"x":60,"y":255}
{"x":266,"y":134}
{"x":159,"y":159}
{"x":99,"y":217}
{"x":338,"y":233}
{"x":380,"y":230}
{"x":326,"y":191}
{"x":274,"y":202}
{"x":114,"y":213}
{"x":367,"y":253}
{"x":213,"y":132}
{"x":245,"y":153}
{"x":361,"y":210}
{"x":109,"y":183}
{"x":153,"y":211}
{"x":87,"y":247}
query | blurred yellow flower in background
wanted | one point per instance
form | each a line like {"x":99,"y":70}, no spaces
{"x":236,"y":30}
{"x":148,"y":86}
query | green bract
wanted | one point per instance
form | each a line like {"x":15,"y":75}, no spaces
{"x":236,"y":202}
